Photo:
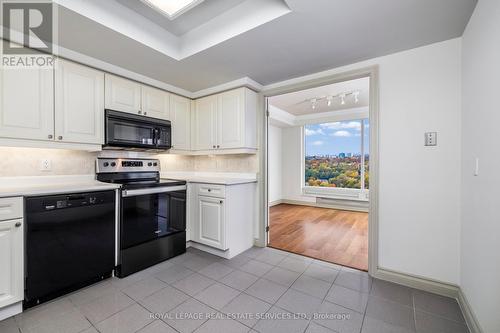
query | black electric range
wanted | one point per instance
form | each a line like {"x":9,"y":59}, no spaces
{"x":152,"y":212}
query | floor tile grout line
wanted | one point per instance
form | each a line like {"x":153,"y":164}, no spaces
{"x":414,"y":310}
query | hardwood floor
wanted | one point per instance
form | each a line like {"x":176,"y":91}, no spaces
{"x":332,"y":235}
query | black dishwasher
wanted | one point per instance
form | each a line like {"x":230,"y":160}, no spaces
{"x":69,"y":242}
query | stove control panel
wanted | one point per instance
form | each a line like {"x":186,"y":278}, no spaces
{"x":113,"y":165}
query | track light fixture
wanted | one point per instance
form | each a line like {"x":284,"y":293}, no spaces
{"x":330,"y":99}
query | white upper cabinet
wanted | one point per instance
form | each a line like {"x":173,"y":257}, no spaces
{"x":204,"y":123}
{"x":122,"y":94}
{"x":180,"y":116}
{"x":79,"y":108}
{"x":27,"y":103}
{"x":226,"y":121}
{"x":155,"y":103}
{"x":230,"y":119}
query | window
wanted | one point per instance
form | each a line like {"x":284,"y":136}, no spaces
{"x":337,"y":155}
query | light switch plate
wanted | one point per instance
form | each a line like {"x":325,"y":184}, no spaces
{"x":431,"y":139}
{"x":45,"y":165}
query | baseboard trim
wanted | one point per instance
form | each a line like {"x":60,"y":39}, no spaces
{"x":468,"y":313}
{"x":275,"y":202}
{"x":436,"y":287}
{"x":331,"y":206}
{"x":418,"y":282}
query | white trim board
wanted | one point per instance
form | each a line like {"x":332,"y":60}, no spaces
{"x":468,"y":313}
{"x":435,"y":287}
{"x":308,"y":82}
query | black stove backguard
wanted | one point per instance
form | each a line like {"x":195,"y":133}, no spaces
{"x":152,"y":213}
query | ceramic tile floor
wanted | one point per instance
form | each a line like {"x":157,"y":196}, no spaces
{"x":261,"y":290}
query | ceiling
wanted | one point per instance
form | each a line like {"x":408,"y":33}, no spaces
{"x":193,"y":18}
{"x":298,"y":103}
{"x":295,"y":38}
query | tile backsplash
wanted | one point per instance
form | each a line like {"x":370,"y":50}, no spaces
{"x":27,"y":162}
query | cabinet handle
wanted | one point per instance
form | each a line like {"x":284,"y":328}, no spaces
{"x":50,"y":136}
{"x":221,"y":201}
{"x":18,"y":224}
{"x":213,"y":146}
{"x":59,"y":137}
{"x":209,"y":190}
{"x":139,"y":112}
{"x":218,"y":146}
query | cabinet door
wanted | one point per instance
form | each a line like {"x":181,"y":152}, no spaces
{"x":79,"y":115}
{"x":155,"y":103}
{"x":27,"y":103}
{"x":231,"y":119}
{"x":211,"y":224}
{"x":180,"y":114}
{"x":11,"y":262}
{"x":204,"y":123}
{"x":122,"y":95}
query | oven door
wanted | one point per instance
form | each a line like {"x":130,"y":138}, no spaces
{"x":151,"y":213}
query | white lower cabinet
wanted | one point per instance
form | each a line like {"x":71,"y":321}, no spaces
{"x":210,"y":222}
{"x":221,"y":217}
{"x":11,"y":255}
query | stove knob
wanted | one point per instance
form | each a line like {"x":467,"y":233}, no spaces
{"x":150,"y":164}
{"x":113,"y":164}
{"x":155,"y":164}
{"x":105,"y":164}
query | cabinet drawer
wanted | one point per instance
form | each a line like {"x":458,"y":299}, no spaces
{"x":212,"y":190}
{"x":11,"y":208}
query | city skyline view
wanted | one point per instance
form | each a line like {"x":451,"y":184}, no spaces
{"x":333,"y":154}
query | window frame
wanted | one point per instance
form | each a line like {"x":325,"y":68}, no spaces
{"x":361,"y":194}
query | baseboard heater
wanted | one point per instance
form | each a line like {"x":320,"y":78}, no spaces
{"x":347,"y":204}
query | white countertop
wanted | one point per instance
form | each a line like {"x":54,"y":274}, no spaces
{"x":221,"y":178}
{"x":48,"y":185}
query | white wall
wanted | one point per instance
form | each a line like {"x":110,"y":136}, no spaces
{"x":480,"y":265}
{"x":275,"y":163}
{"x":419,"y":221}
{"x":292,"y":162}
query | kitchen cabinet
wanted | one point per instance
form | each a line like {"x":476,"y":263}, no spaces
{"x":11,"y":251}
{"x":221,"y":217}
{"x":132,"y":97}
{"x":180,"y":116}
{"x":27,"y":103}
{"x":79,"y":103}
{"x":226,"y":121}
{"x":155,"y":103}
{"x":210,"y":219}
{"x":122,"y":94}
{"x":204,"y":123}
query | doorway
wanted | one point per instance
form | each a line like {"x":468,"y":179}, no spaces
{"x":318,"y":171}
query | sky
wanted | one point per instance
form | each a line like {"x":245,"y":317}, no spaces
{"x":335,"y":138}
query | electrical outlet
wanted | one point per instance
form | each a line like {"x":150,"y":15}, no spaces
{"x":45,"y":165}
{"x":431,"y":139}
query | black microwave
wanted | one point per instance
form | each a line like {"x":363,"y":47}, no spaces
{"x":125,"y":130}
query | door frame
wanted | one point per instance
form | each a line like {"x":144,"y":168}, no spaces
{"x":372,"y":72}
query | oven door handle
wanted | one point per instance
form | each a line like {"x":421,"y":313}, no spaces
{"x":153,"y":190}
